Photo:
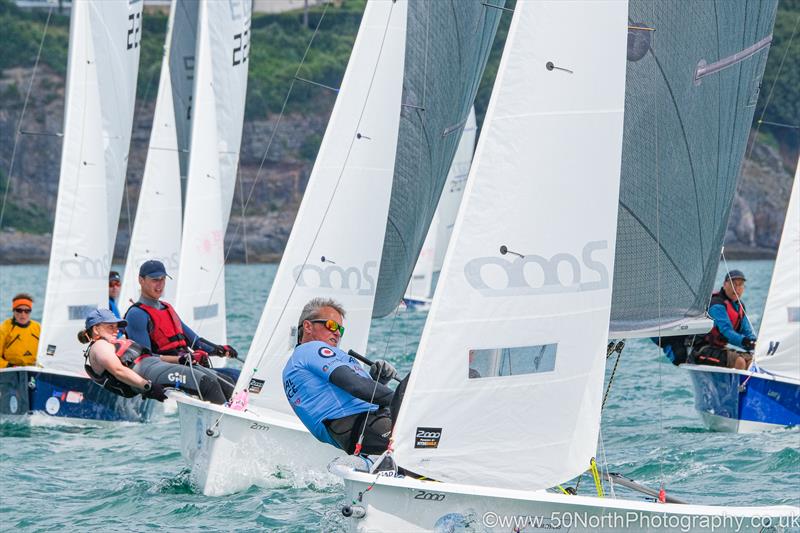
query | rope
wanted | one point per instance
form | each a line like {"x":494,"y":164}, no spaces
{"x":596,"y":476}
{"x":617,"y":348}
{"x":22,"y":115}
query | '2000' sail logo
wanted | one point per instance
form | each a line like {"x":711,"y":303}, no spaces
{"x":335,"y":277}
{"x":522,"y":278}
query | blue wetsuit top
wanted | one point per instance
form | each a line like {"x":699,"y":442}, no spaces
{"x":112,"y":304}
{"x":306,"y":381}
{"x":138,"y":328}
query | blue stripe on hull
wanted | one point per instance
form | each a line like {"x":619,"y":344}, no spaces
{"x":759,"y":400}
{"x":24,"y":392}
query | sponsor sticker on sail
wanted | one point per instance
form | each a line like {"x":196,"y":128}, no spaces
{"x":427,"y":437}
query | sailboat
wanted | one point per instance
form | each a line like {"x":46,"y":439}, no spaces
{"x":391,"y":137}
{"x":157,"y":227}
{"x":766,"y":396}
{"x":420,"y":288}
{"x":527,"y":277}
{"x":101,"y":87}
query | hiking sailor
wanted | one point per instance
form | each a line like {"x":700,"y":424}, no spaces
{"x":329,"y":390}
{"x":19,"y":335}
{"x":126,"y":368}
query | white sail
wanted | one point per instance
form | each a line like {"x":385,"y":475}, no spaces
{"x":431,"y":257}
{"x":218,"y":114}
{"x":157,"y":227}
{"x":117,"y":34}
{"x":512,"y":355}
{"x":83,"y":232}
{"x":778,"y":346}
{"x":343,"y":214}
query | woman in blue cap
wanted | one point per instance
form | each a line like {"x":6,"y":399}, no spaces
{"x":127,"y":369}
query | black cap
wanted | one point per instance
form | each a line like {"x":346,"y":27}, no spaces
{"x":735,"y":274}
{"x":114,"y":276}
{"x":153,"y":269}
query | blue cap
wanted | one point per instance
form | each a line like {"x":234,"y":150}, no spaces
{"x":103,"y":316}
{"x":735,"y":274}
{"x":153,"y":269}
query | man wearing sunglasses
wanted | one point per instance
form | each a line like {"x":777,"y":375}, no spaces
{"x":329,"y":390}
{"x":19,"y":335}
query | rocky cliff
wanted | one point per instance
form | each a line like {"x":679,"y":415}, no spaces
{"x":268,"y":195}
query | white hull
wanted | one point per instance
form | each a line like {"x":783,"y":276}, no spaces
{"x":246,"y":448}
{"x":405,"y":504}
{"x":729,"y":425}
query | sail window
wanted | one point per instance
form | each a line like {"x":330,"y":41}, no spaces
{"x":206,"y":311}
{"x":502,"y":362}
{"x":794,"y":314}
{"x":79,"y":312}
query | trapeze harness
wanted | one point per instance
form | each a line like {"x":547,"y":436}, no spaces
{"x":714,"y":337}
{"x":167,"y":336}
{"x":129,"y":354}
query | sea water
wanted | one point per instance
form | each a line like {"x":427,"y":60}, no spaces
{"x":131,"y":477}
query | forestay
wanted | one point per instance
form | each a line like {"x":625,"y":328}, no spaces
{"x":157,"y":227}
{"x":778,"y":347}
{"x":334,"y":249}
{"x":222,"y":48}
{"x":506,"y":385}
{"x":431,"y":256}
{"x":101,"y":76}
{"x":693,"y":76}
{"x":448,"y":44}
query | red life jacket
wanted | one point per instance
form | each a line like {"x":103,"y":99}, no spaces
{"x":715,"y":337}
{"x":129,"y":354}
{"x":167,"y":335}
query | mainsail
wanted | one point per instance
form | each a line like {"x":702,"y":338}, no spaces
{"x":219,"y":91}
{"x":98,"y":115}
{"x":157,"y":228}
{"x":519,"y":320}
{"x":693,"y":78}
{"x":448,"y":44}
{"x":778,"y":347}
{"x":431,"y":256}
{"x":335,"y":244}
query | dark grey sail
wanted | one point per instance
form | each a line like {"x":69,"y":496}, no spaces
{"x":447,"y":46}
{"x":693,"y":77}
{"x":181,"y":68}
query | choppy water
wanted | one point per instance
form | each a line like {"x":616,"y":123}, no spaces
{"x":131,"y":477}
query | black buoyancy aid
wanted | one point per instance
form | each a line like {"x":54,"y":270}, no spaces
{"x":129,"y":354}
{"x":167,"y":334}
{"x":715,"y":337}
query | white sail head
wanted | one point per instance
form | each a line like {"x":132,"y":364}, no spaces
{"x":550,"y":148}
{"x":778,"y":346}
{"x":217,"y":118}
{"x":343,"y":213}
{"x":157,"y":227}
{"x":93,"y":162}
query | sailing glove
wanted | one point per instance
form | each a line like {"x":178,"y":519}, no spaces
{"x":225,"y":350}
{"x":748,"y":344}
{"x":197,"y":357}
{"x":382,"y":371}
{"x":154,"y":391}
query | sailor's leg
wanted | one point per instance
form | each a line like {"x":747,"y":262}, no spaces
{"x":190,"y":379}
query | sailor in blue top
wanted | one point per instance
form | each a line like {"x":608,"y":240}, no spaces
{"x":329,"y":390}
